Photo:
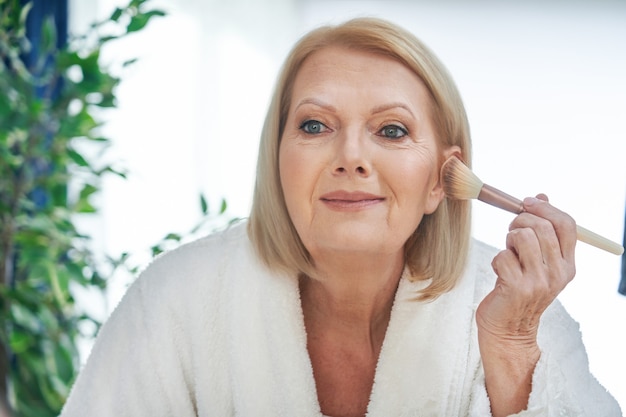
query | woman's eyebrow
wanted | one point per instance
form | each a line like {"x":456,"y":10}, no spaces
{"x":378,"y":109}
{"x":390,"y":106}
{"x":316,"y":102}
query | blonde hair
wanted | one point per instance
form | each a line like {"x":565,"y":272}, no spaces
{"x":439,"y":246}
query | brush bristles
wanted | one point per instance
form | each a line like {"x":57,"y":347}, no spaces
{"x":459,"y":182}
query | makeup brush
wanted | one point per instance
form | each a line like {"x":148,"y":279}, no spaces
{"x":460,"y":183}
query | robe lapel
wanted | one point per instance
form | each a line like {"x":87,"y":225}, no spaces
{"x":272,"y":373}
{"x":426,"y":365}
{"x":427,"y":361}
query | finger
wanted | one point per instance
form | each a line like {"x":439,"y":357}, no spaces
{"x":541,"y":232}
{"x":527,"y":247}
{"x":563,"y":224}
{"x":506,"y":265}
{"x":525,"y":290}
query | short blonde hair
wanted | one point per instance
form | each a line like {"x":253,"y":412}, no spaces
{"x":439,"y":246}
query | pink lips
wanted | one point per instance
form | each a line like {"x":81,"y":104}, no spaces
{"x":350,"y":200}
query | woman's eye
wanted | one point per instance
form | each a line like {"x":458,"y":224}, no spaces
{"x":313,"y":127}
{"x":393,"y":132}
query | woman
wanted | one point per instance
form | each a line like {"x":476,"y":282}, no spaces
{"x":354,"y":288}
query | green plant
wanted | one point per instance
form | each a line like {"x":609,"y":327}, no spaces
{"x":50,"y":169}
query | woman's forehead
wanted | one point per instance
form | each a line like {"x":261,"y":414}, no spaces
{"x":336,"y":78}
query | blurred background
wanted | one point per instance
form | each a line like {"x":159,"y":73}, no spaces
{"x":544,"y":84}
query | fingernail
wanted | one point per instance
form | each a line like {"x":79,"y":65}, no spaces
{"x":531,"y":201}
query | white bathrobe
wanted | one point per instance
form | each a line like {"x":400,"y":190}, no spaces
{"x":207,"y":330}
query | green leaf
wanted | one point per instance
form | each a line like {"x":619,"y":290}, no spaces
{"x":139,"y":21}
{"x":66,"y":59}
{"x":204,"y":206}
{"x":156,"y":250}
{"x":118,"y":172}
{"x":173,"y":236}
{"x":87,"y":191}
{"x":20,"y":341}
{"x":223,"y":207}
{"x":78,"y":125}
{"x":77,"y":158}
{"x":93,"y":77}
{"x":117,"y":13}
{"x":24,"y":13}
{"x":99,"y":139}
{"x":48,"y":35}
{"x":24,"y":317}
{"x":52,"y":398}
{"x":136,"y":3}
{"x":129,"y":62}
{"x":107,"y":38}
{"x":107,"y":100}
{"x":48,"y":317}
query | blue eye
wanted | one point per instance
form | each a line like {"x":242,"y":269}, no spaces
{"x":393,"y":132}
{"x":313,"y":127}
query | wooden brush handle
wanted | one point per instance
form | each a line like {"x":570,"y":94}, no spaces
{"x":500,"y":199}
{"x":600,"y":242}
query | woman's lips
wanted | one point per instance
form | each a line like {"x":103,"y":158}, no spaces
{"x":350,"y":200}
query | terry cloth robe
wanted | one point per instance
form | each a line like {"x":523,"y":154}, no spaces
{"x":207,"y":330}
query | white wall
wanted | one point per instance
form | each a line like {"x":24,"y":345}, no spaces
{"x":544,"y":84}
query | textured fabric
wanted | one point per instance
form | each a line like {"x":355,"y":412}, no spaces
{"x":206,"y":330}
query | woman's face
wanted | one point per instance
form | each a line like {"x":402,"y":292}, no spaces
{"x":358,"y":156}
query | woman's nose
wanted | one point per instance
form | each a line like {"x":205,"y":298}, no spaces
{"x":352,"y":156}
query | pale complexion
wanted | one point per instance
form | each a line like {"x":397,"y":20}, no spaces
{"x":359,"y":168}
{"x":359,"y":165}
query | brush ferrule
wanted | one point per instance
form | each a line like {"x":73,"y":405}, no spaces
{"x":500,"y":199}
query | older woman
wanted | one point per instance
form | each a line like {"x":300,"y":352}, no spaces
{"x":354,"y":289}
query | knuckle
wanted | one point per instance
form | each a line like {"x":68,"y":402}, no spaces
{"x":562,"y":275}
{"x":544,"y":226}
{"x":571,"y":272}
{"x":566,"y":222}
{"x":522,"y":234}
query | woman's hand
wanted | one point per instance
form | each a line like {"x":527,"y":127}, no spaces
{"x":535,"y":267}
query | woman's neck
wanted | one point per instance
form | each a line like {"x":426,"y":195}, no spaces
{"x":352,"y":296}
{"x":346,"y":310}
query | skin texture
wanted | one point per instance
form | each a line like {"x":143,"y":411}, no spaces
{"x":358,"y":163}
{"x":338,"y":93}
{"x":535,"y":267}
{"x":359,"y":168}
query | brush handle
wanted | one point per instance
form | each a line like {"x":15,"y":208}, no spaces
{"x":600,"y":242}
{"x":500,"y":199}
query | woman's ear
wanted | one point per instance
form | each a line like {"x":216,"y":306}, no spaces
{"x":452,"y":151}
{"x":436,"y":194}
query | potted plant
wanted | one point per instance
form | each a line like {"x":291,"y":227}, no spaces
{"x":49,"y":132}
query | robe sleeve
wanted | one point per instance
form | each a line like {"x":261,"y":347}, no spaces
{"x":562,"y":384}
{"x":134,"y":359}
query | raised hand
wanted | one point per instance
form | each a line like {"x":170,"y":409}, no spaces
{"x":535,"y":267}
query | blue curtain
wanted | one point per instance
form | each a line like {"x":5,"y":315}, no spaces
{"x":42,"y":10}
{"x":622,"y":284}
